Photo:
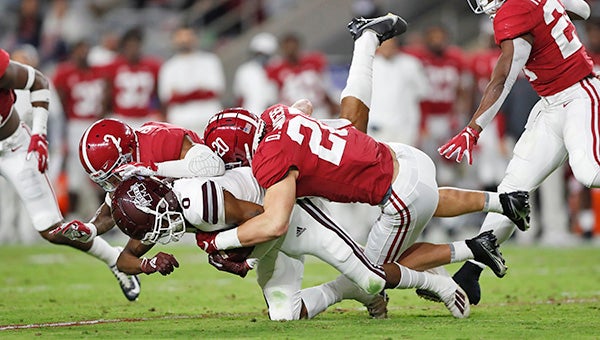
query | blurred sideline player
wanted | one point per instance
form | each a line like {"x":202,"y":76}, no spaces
{"x":81,"y":88}
{"x":540,"y":39}
{"x":25,"y":161}
{"x":156,"y":148}
{"x":132,"y":80}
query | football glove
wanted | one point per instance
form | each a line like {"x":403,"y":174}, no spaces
{"x":206,"y":241}
{"x":162,"y":262}
{"x":136,"y":169}
{"x":226,"y":265}
{"x":76,"y":231}
{"x":39,"y":145}
{"x":461,"y":145}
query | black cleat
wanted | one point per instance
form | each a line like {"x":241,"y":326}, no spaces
{"x":130,"y":284}
{"x":485,"y":250}
{"x":385,"y":27}
{"x":515,"y":205}
{"x":468,"y":278}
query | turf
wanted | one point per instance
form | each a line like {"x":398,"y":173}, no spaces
{"x":547,"y":293}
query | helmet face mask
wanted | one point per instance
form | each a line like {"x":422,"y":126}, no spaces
{"x":146,"y":209}
{"x":233,"y":134}
{"x":488,"y":7}
{"x":104,"y":146}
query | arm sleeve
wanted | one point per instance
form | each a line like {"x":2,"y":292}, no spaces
{"x":522,"y":49}
{"x":200,"y":160}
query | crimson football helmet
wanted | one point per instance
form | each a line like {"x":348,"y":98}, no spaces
{"x":233,"y":134}
{"x":146,"y":209}
{"x":105,"y":145}
{"x":488,"y":7}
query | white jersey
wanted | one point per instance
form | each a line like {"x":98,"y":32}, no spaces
{"x":202,"y":197}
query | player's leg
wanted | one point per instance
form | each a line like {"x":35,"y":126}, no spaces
{"x":582,"y":135}
{"x":537,"y":153}
{"x":38,"y":198}
{"x":280,"y":277}
{"x":368,"y":34}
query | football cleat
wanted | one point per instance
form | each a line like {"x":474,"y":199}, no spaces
{"x":378,"y":307}
{"x":467,"y":278}
{"x":454,"y":297}
{"x":130,"y":284}
{"x":385,"y":27}
{"x":428,"y":294}
{"x":515,"y":205}
{"x":485,"y":250}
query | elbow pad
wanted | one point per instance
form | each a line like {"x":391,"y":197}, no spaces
{"x":200,"y":160}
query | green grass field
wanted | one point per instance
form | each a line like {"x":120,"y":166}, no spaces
{"x":547,"y":293}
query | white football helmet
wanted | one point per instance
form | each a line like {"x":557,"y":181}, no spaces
{"x":488,"y":7}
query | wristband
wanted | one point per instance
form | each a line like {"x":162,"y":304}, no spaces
{"x":42,"y":95}
{"x":227,"y":239}
{"x":40,"y":120}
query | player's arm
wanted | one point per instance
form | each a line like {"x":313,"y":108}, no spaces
{"x":19,"y":76}
{"x":272,"y":223}
{"x":131,"y":262}
{"x":196,"y":160}
{"x":239,"y":211}
{"x":514,"y":56}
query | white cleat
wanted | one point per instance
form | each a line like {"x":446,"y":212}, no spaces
{"x":454,"y":298}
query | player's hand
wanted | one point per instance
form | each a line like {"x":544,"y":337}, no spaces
{"x":461,"y":145}
{"x":136,"y":169}
{"x":162,"y":262}
{"x":39,"y":145}
{"x":76,"y":231}
{"x":206,"y":241}
{"x":226,"y":265}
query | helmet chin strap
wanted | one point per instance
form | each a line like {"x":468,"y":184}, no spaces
{"x":248,"y":154}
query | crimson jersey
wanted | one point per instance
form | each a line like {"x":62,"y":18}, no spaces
{"x":7,"y":97}
{"x":160,"y":142}
{"x":482,"y":65}
{"x":558,"y":59}
{"x":342,"y":165}
{"x":134,"y":86}
{"x":445,"y":73}
{"x":300,"y":80}
{"x":82,"y":89}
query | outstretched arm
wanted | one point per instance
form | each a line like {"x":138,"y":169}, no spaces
{"x":131,"y":261}
{"x":515,"y":54}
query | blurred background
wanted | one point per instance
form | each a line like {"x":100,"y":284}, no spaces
{"x":195,"y":57}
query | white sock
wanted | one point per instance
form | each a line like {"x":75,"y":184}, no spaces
{"x":360,"y":75}
{"x":317,"y":299}
{"x":103,"y":251}
{"x":413,"y":279}
{"x":492,"y":202}
{"x":459,"y":252}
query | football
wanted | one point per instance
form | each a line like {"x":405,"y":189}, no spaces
{"x":237,"y":254}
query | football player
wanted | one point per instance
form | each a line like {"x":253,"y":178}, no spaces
{"x":151,"y":211}
{"x":294,"y":156}
{"x":155,"y":149}
{"x":539,"y":38}
{"x":24,"y":154}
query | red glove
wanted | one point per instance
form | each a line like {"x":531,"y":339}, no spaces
{"x":39,"y":144}
{"x":226,"y":265}
{"x":76,"y":230}
{"x":161,"y":262}
{"x":461,"y":144}
{"x":136,"y":168}
{"x":206,"y":241}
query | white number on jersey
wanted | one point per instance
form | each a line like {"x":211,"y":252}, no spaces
{"x":338,"y":144}
{"x":563,"y":34}
{"x":135,"y":89}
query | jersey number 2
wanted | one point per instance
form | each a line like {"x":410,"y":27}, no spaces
{"x":562,"y":32}
{"x":338,"y":144}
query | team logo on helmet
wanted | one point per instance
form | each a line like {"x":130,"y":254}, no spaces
{"x":139,"y":196}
